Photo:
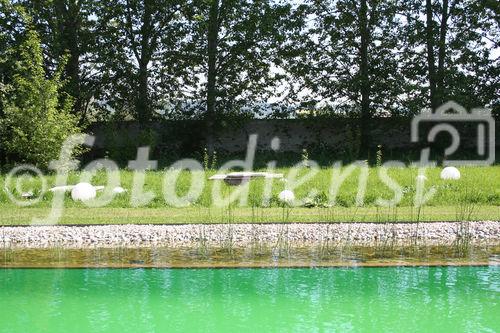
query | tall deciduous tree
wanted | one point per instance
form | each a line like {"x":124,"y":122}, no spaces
{"x":142,"y":46}
{"x":347,"y":58}
{"x":449,"y":46}
{"x":238,"y":40}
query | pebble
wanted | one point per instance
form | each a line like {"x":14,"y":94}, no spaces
{"x":133,"y":235}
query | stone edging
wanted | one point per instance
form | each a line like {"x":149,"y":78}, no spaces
{"x":364,"y":234}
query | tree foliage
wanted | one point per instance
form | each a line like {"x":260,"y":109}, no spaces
{"x":36,"y":121}
{"x":214,"y":59}
{"x":143,"y":50}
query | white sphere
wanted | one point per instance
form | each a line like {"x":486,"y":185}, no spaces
{"x":450,"y":173}
{"x":83,"y":192}
{"x":286,"y":196}
{"x":119,"y":190}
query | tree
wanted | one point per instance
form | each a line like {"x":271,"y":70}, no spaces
{"x":344,"y":58}
{"x":458,"y":38}
{"x":366,"y":21}
{"x":65,"y":29}
{"x":11,"y":27}
{"x":142,"y":46}
{"x":35,"y":122}
{"x":238,"y":42}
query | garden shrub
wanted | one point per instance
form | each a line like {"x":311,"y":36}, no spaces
{"x":35,"y":123}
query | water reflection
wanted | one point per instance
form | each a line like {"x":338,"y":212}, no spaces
{"x":248,"y":257}
{"x":400,"y":299}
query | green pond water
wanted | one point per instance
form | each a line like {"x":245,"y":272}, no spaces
{"x":382,"y":299}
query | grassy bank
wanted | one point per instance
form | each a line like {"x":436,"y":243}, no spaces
{"x":82,"y":216}
{"x":475,"y":196}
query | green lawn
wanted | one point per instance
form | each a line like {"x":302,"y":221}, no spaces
{"x":73,"y":215}
{"x":478,"y":191}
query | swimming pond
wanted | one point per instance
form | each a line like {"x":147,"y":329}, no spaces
{"x":368,"y":299}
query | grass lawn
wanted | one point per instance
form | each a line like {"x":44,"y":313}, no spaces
{"x":82,"y":216}
{"x":477,"y":192}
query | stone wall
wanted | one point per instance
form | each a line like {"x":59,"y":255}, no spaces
{"x":294,"y":134}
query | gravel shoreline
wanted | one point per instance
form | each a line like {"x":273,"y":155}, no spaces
{"x":241,"y":235}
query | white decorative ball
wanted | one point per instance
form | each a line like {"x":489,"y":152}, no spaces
{"x":450,"y":173}
{"x":286,"y":196}
{"x":83,"y":192}
{"x":119,"y":190}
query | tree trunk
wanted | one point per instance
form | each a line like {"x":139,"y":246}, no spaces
{"x":69,"y":25}
{"x":213,"y":32}
{"x":431,"y":62}
{"x":142,"y":102}
{"x":443,"y":29}
{"x":143,"y":107}
{"x":364,"y":77}
{"x":73,"y":66}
